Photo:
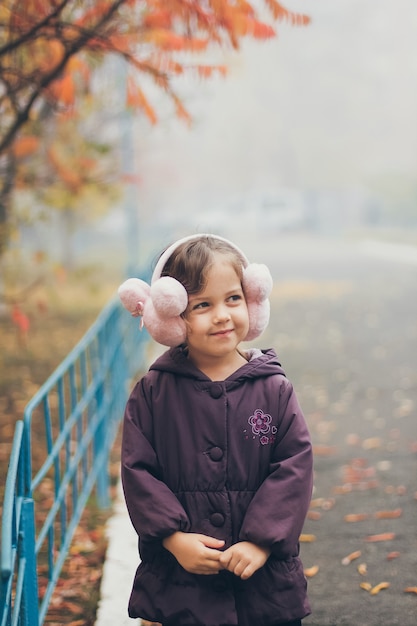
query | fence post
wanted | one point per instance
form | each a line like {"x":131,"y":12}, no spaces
{"x":99,"y":443}
{"x":102,"y":485}
{"x":30,"y":579}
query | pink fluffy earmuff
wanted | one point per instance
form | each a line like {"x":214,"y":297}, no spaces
{"x":161,"y":303}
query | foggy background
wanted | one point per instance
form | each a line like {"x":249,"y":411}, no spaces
{"x":327,"y":112}
{"x":314,"y":131}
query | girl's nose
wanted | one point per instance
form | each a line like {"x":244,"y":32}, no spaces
{"x":221,"y":314}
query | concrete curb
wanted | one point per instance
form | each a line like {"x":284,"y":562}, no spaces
{"x":119,"y":568}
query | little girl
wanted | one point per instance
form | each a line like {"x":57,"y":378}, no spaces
{"x":216,"y":454}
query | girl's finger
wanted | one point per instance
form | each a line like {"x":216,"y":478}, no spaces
{"x":247,"y":572}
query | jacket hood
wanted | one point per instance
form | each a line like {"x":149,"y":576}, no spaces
{"x":261,"y":363}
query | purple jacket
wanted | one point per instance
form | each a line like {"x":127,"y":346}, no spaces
{"x":230,"y":459}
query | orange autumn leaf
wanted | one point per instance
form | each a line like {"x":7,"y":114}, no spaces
{"x":410,"y":590}
{"x":388,"y":514}
{"x":157,"y":19}
{"x":165,"y":39}
{"x":47,"y":53}
{"x":25,"y":145}
{"x":351,"y":557}
{"x":322,"y":450}
{"x":63,"y":90}
{"x":37,"y":8}
{"x":281,"y":13}
{"x":136,"y":99}
{"x":358,"y":471}
{"x":93,"y":14}
{"x":379,"y":587}
{"x":78,"y":65}
{"x":195,"y":45}
{"x":356,"y":517}
{"x":323,"y":503}
{"x":309,"y":572}
{"x":243,"y":25}
{"x":180,"y":110}
{"x":307,"y":538}
{"x":380,"y":537}
{"x":313,"y":515}
{"x":20,"y":320}
{"x":374,"y":590}
{"x":258,"y":30}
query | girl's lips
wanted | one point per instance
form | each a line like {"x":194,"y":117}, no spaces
{"x":227,"y":331}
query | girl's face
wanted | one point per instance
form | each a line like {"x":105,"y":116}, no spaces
{"x":217,"y":318}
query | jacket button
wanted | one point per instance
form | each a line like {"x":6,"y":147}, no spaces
{"x":216,"y":391}
{"x":217,"y":519}
{"x":216,"y":454}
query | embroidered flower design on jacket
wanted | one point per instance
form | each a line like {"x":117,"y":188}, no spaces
{"x":261,"y":426}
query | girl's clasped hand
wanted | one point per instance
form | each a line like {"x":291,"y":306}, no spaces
{"x":201,"y":554}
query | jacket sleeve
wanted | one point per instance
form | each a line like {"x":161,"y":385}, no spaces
{"x":276,"y":514}
{"x":153,"y":508}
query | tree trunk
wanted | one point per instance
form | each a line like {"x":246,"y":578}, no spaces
{"x":8,"y":171}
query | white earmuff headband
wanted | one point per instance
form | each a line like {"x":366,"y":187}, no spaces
{"x":162,"y":303}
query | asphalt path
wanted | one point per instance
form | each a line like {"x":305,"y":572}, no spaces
{"x":344,"y":323}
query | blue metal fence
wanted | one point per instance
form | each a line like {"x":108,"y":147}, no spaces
{"x":71,"y":423}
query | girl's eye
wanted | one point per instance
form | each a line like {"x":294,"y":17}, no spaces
{"x":236,"y":297}
{"x":200,"y":305}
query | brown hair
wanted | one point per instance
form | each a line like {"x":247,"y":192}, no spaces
{"x":191,"y":261}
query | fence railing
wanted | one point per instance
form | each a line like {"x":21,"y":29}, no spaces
{"x":59,"y":456}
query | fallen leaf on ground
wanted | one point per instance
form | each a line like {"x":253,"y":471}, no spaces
{"x":357,"y":471}
{"x":388,"y":514}
{"x":342,"y":489}
{"x":351,"y":557}
{"x":380,"y":537}
{"x":365,"y":586}
{"x":362,"y":569}
{"x":353,"y":439}
{"x":314,"y":515}
{"x":356,"y":517}
{"x":311,"y":571}
{"x":410,"y":590}
{"x":322,"y":450}
{"x":372,"y":443}
{"x":304,"y":538}
{"x":378,"y":588}
{"x":392,"y":555}
{"x":322,"y":503}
